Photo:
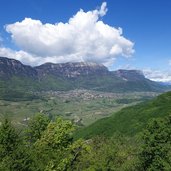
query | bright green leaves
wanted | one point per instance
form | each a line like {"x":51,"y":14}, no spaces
{"x":55,"y":149}
{"x":155,"y":154}
{"x":36,"y":126}
{"x":58,"y":135}
{"x":49,"y":146}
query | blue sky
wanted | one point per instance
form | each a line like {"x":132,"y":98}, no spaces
{"x":146,"y":23}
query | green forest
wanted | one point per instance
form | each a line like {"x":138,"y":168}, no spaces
{"x":50,"y":146}
{"x":135,"y":138}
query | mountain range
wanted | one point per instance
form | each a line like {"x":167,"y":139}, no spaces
{"x":68,"y":76}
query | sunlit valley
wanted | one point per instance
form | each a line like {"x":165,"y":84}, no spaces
{"x":82,"y":93}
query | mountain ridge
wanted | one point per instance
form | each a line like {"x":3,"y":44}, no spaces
{"x":12,"y":65}
{"x":9,"y":67}
{"x":73,"y":75}
{"x":70,"y":69}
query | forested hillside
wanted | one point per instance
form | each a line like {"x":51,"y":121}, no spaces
{"x":131,"y":120}
{"x":49,"y":145}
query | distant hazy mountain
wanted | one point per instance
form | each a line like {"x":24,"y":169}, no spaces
{"x":68,"y":76}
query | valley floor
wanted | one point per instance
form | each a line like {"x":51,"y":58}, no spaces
{"x":82,"y":106}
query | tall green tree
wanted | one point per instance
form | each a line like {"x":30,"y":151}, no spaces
{"x":156,"y":150}
{"x":8,"y":138}
{"x":108,"y":154}
{"x":36,"y":126}
{"x":14,"y":155}
{"x":56,"y":150}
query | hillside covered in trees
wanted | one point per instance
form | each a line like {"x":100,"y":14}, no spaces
{"x":130,"y":120}
{"x":50,"y":145}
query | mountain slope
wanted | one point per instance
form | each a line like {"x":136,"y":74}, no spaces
{"x":12,"y":67}
{"x":130,"y":120}
{"x":71,"y":70}
{"x":68,"y":76}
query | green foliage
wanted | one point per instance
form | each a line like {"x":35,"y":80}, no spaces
{"x":52,"y":148}
{"x":13,"y":154}
{"x":36,"y":126}
{"x":49,"y":145}
{"x":70,"y":159}
{"x":55,"y":150}
{"x":116,"y":153}
{"x":155,"y":153}
{"x":57,"y":135}
{"x":8,"y":138}
{"x":14,"y":95}
{"x":129,"y":121}
{"x":20,"y":160}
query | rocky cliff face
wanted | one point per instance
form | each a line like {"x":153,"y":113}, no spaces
{"x":11,"y":67}
{"x":70,"y":76}
{"x":130,"y":75}
{"x":71,"y":70}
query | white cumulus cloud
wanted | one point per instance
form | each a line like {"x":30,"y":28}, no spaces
{"x":19,"y":55}
{"x":85,"y":37}
{"x":157,"y":75}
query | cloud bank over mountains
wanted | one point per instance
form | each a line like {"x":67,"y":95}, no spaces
{"x":85,"y":37}
{"x":157,"y":75}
